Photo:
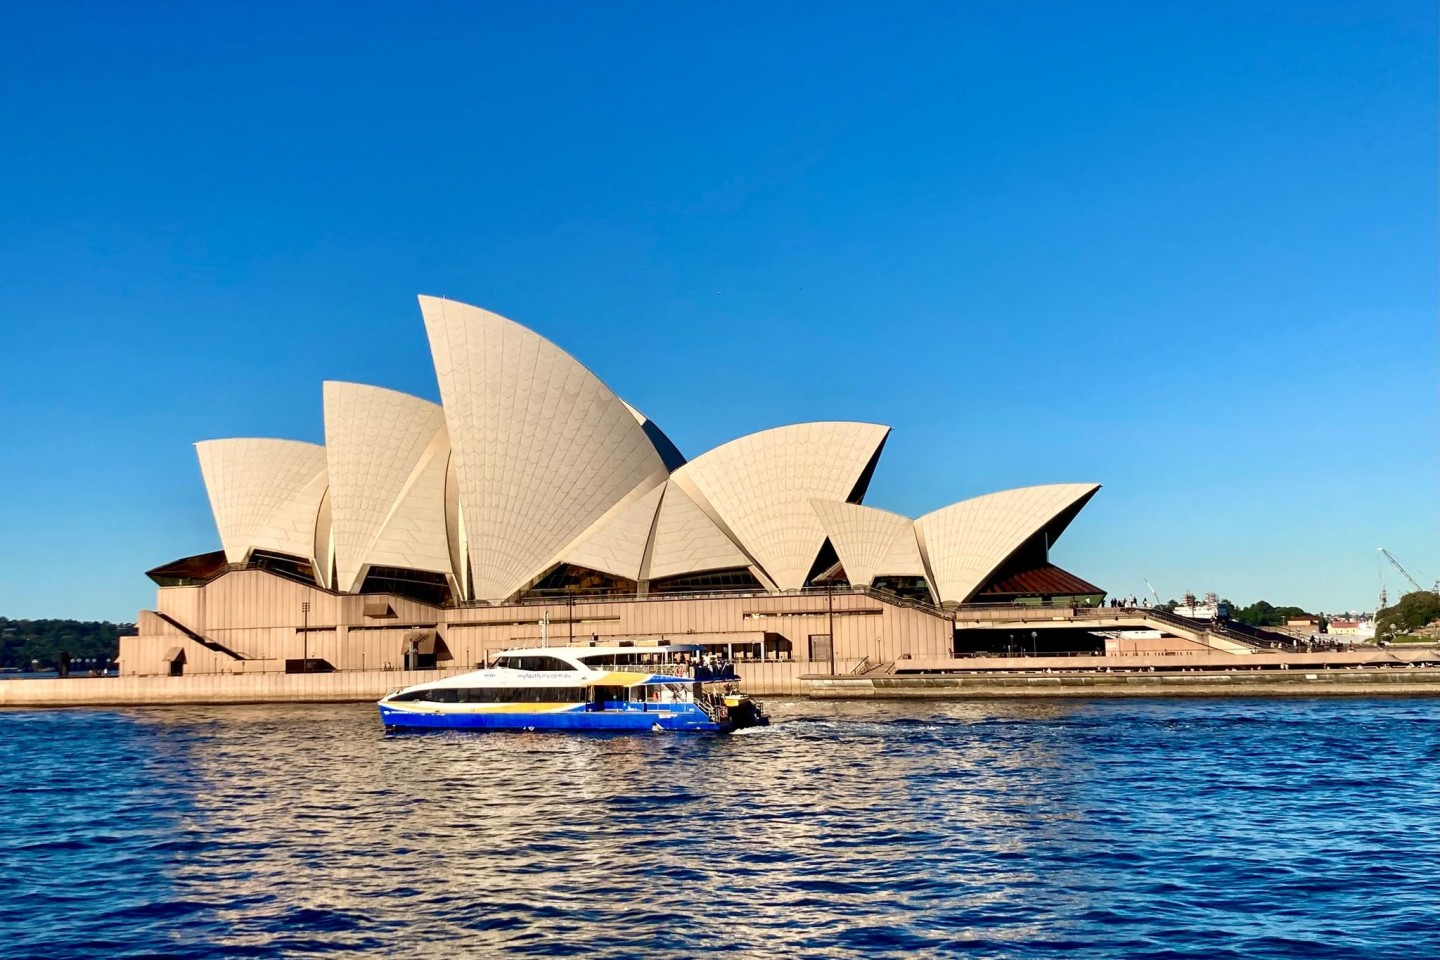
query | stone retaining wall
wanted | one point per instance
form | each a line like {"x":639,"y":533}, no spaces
{"x":1397,"y":680}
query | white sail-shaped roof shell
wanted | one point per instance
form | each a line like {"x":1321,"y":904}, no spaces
{"x":414,"y":535}
{"x":617,"y":543}
{"x":379,"y":445}
{"x":670,"y":455}
{"x":688,"y":541}
{"x":904,"y":558}
{"x":870,"y":542}
{"x":542,"y":448}
{"x":265,"y":494}
{"x":966,"y":542}
{"x":759,"y":489}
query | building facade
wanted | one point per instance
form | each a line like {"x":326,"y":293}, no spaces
{"x":533,"y":505}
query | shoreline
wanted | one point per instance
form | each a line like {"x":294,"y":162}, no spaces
{"x":1389,"y":681}
{"x":369,"y":686}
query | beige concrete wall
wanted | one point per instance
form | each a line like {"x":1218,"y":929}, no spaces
{"x":1127,"y":646}
{"x":214,"y":688}
{"x":258,"y":615}
{"x":186,"y":604}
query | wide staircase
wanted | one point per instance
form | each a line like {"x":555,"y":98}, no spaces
{"x":204,"y":641}
{"x":1220,"y":636}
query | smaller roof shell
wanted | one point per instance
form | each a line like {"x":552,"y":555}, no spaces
{"x":759,"y":488}
{"x":264,"y":493}
{"x":870,"y":541}
{"x":965,"y":543}
{"x":378,"y":442}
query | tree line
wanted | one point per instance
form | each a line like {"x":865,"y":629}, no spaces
{"x":24,"y":643}
{"x":1411,"y":612}
{"x":1262,"y":614}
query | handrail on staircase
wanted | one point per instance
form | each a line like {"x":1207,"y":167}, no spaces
{"x":204,"y":641}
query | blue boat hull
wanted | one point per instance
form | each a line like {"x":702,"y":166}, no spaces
{"x":680,"y":717}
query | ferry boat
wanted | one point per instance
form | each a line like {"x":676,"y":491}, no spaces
{"x":668,"y":687}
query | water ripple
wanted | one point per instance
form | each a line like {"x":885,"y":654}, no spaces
{"x":1177,"y":828}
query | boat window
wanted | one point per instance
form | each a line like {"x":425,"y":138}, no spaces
{"x":534,"y":663}
{"x":523,"y":695}
{"x":627,"y":659}
{"x":497,"y":695}
{"x":433,"y":696}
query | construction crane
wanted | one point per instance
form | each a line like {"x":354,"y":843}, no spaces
{"x":1403,"y":572}
{"x":1152,"y":591}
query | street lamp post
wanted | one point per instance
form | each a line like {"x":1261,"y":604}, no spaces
{"x":305,"y":636}
{"x":1034,"y":646}
{"x":830,"y":613}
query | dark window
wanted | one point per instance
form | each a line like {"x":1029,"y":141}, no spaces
{"x":570,"y":580}
{"x":497,"y":695}
{"x":431,"y":588}
{"x":908,"y":588}
{"x":534,"y":663}
{"x":819,"y":647}
{"x":291,"y":568}
{"x":611,"y":660}
{"x":740,"y":579}
{"x":190,"y":571}
{"x":827,"y":570}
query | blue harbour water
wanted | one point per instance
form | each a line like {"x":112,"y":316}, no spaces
{"x":1123,"y":828}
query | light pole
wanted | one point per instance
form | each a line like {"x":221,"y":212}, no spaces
{"x":571,"y":618}
{"x":1034,"y":646}
{"x":305,"y":635}
{"x":830,"y":613}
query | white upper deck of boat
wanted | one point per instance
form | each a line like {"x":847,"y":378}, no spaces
{"x":584,"y":665}
{"x":588,"y":651}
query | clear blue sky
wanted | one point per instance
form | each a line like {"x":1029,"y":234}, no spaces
{"x":1185,"y":250}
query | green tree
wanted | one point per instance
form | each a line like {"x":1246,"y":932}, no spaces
{"x":1414,"y":610}
{"x":25,"y":641}
{"x":1263,"y":614}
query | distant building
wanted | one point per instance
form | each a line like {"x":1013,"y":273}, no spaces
{"x":535,"y":505}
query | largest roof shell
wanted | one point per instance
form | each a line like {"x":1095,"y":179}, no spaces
{"x":542,"y":447}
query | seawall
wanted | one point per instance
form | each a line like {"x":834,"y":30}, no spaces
{"x":356,"y":685}
{"x":1369,"y":682}
{"x":772,"y":680}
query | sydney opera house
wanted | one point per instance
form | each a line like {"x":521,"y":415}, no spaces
{"x":533,"y":505}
